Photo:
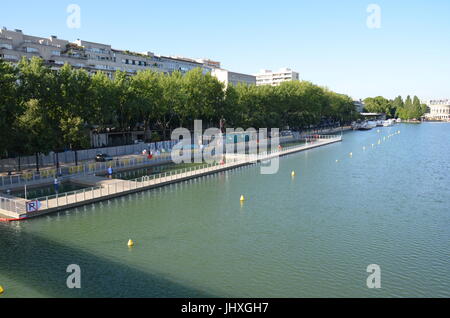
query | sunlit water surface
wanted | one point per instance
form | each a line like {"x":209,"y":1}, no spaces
{"x":309,"y":236}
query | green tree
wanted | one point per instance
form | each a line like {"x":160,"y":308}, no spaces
{"x":172,"y":99}
{"x":103,"y":98}
{"x":147,"y":93}
{"x":9,"y":107}
{"x":34,"y":125}
{"x":379,"y":104}
{"x":124,"y":103}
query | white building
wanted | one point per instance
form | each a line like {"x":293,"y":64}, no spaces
{"x":233,"y":78}
{"x":267,"y":77}
{"x":439,"y":110}
{"x":359,"y":105}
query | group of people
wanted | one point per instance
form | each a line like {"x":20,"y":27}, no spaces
{"x":150,"y":154}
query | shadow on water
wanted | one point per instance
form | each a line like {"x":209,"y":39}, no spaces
{"x":40,"y":265}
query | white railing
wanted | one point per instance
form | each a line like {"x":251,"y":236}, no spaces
{"x":12,"y":205}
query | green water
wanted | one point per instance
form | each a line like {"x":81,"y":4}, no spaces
{"x":34,"y":193}
{"x":311,"y":236}
{"x":137,"y":173}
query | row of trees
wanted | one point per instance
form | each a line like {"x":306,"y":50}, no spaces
{"x":396,"y":108}
{"x":43,"y":110}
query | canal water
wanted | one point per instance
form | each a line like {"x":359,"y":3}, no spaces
{"x":48,"y":190}
{"x":309,"y":236}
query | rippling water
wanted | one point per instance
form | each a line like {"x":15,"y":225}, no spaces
{"x":311,"y":236}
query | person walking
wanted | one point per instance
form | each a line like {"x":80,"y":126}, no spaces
{"x":110,"y":172}
{"x":56,"y":185}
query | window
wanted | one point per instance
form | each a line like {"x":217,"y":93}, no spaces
{"x":57,"y":53}
{"x":10,"y":57}
{"x":5,"y":46}
{"x":31,"y":50}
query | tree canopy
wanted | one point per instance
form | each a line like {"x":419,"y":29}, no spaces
{"x":44,"y":110}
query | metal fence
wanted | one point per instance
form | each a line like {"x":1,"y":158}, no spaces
{"x":68,"y":157}
{"x":12,"y":205}
{"x":82,"y":169}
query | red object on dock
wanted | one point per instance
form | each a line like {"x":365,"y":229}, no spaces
{"x":12,"y":220}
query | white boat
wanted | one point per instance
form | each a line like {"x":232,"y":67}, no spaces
{"x":365,"y":126}
{"x":399,"y":120}
{"x":389,"y":122}
{"x":371,"y":124}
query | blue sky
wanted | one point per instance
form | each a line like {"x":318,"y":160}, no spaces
{"x":326,"y":41}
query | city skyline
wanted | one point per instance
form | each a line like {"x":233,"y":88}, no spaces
{"x":327,"y":43}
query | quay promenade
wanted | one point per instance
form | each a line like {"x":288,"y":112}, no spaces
{"x":14,"y":209}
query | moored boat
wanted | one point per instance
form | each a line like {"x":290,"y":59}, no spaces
{"x":389,"y":122}
{"x":365,"y":126}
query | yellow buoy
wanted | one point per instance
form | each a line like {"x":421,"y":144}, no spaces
{"x":293,"y":173}
{"x":242,"y":198}
{"x":351,"y":154}
{"x":130,"y":243}
{"x":1,"y":290}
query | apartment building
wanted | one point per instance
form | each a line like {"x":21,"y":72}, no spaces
{"x":93,"y":57}
{"x":267,"y":77}
{"x":233,"y":78}
{"x":177,"y":63}
{"x":208,"y":62}
{"x":359,"y":105}
{"x":439,"y":110}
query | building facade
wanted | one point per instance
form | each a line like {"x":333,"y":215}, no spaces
{"x":93,"y":57}
{"x":233,"y":78}
{"x":267,"y":77}
{"x":439,"y":110}
{"x":359,"y":105}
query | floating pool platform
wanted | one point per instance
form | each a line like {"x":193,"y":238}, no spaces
{"x":102,"y":189}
